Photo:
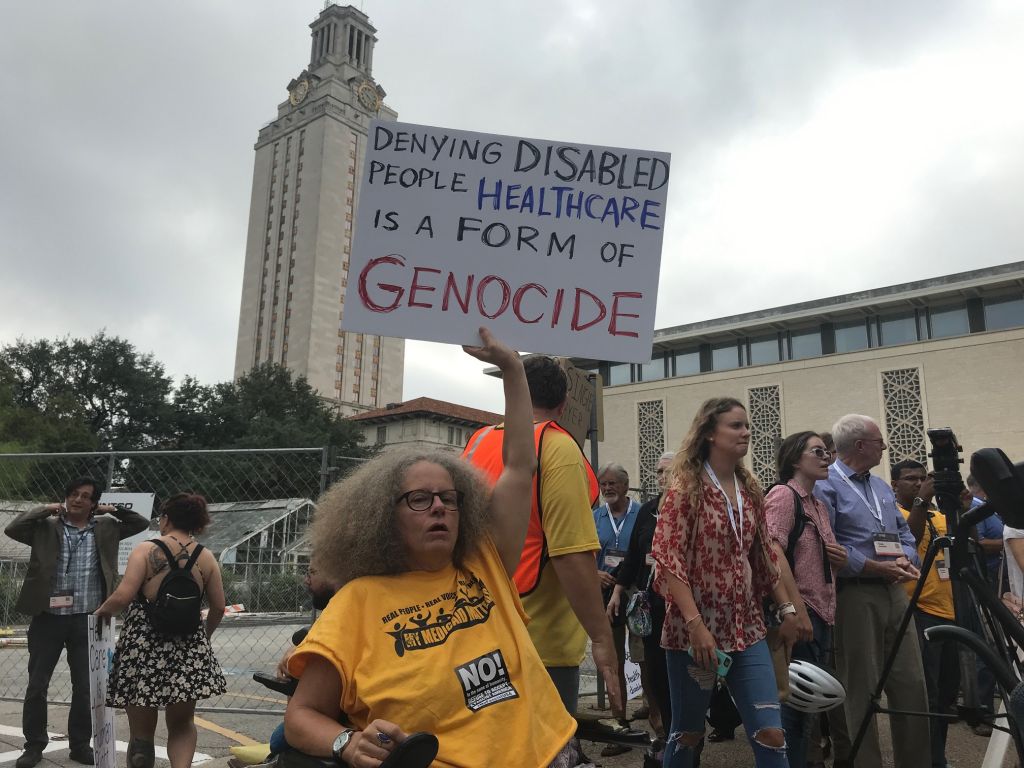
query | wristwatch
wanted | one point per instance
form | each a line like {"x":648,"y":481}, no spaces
{"x":340,"y":742}
{"x":919,"y":502}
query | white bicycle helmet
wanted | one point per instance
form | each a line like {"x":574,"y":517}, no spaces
{"x":812,"y":689}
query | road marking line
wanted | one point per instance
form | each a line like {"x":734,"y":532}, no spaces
{"x":241,"y":738}
{"x":58,"y":746}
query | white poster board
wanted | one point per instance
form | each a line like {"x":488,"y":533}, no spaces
{"x":101,"y":657}
{"x":141,"y":503}
{"x":555,"y":246}
{"x":634,"y":686}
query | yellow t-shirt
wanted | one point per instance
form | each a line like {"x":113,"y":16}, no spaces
{"x":445,"y":652}
{"x":937,"y":594}
{"x":569,"y":527}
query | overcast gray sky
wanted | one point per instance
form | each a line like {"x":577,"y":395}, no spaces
{"x":817,"y":148}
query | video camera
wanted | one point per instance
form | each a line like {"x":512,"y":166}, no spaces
{"x":1003,"y":483}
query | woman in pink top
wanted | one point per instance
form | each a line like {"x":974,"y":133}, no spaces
{"x":802,"y":461}
{"x":715,"y":565}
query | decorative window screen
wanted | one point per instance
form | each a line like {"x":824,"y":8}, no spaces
{"x":904,"y":415}
{"x":765,"y":412}
{"x":650,"y":426}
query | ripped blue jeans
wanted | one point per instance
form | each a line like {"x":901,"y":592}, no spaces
{"x":751,"y":682}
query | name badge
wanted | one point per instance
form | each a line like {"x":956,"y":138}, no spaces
{"x":614,"y":557}
{"x":62,"y":599}
{"x":943,"y":571}
{"x":649,"y":560}
{"x":887,"y":544}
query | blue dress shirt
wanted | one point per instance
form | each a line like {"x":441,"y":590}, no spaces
{"x":990,"y":528}
{"x":854,"y":521}
{"x":606,"y":533}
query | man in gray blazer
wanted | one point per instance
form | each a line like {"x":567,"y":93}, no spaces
{"x":71,"y":571}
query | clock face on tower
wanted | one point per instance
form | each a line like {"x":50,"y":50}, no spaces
{"x":298,"y":93}
{"x":367,"y":95}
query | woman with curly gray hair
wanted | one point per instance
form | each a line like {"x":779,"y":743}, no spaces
{"x":427,"y":632}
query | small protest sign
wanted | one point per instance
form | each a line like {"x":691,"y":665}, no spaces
{"x":555,"y":246}
{"x":634,"y":685}
{"x":101,"y":655}
{"x":579,"y":401}
{"x":141,"y":503}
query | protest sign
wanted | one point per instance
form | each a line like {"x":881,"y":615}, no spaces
{"x":555,"y":246}
{"x":101,"y":655}
{"x":141,"y":503}
{"x":579,"y":400}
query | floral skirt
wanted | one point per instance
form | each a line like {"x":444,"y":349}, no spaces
{"x":150,"y":670}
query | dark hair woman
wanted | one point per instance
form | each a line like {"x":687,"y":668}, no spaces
{"x":715,"y":566}
{"x":802,"y":460}
{"x":152,"y":671}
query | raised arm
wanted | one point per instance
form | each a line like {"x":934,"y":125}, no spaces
{"x":22,"y":527}
{"x":510,"y":498}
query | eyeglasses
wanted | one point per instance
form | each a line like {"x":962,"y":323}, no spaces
{"x":821,"y":453}
{"x":880,"y":441}
{"x":420,"y":500}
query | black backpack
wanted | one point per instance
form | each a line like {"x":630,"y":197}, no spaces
{"x":175,"y":612}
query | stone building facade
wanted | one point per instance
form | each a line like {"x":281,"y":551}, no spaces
{"x":305,"y":190}
{"x":944,"y":352}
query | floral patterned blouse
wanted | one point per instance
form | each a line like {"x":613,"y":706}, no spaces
{"x":728,"y":580}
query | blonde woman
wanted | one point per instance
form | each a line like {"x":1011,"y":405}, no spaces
{"x":715,"y":566}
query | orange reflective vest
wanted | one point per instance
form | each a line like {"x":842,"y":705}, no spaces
{"x":484,"y":451}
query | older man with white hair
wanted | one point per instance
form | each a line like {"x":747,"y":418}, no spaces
{"x":870,"y":601}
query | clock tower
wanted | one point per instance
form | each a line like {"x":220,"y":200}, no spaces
{"x":304,"y":194}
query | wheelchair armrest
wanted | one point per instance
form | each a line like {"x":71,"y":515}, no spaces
{"x":287,"y":687}
{"x":417,"y":751}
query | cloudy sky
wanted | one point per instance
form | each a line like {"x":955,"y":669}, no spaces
{"x":817,"y":148}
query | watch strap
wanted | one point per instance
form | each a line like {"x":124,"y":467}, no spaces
{"x":340,"y":742}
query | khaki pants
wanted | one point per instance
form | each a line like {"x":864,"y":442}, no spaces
{"x":867,"y":617}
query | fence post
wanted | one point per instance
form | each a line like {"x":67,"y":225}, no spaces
{"x":111,"y":457}
{"x":323,"y":468}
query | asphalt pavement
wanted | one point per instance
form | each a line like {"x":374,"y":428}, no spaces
{"x":219,"y":731}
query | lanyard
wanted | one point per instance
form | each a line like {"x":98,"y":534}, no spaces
{"x":728,"y":503}
{"x":875,"y":508}
{"x":617,"y":528}
{"x":73,"y":548}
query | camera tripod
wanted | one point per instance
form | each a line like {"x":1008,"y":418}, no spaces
{"x":972,"y":596}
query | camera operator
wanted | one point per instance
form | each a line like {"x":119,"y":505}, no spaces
{"x":914,"y":489}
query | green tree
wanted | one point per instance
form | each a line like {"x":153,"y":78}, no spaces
{"x":266,"y":408}
{"x":83,"y":394}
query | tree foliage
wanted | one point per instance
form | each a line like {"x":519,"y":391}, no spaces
{"x":102,"y":394}
{"x":83,"y":395}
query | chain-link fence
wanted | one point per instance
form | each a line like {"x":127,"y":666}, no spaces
{"x":261,"y":507}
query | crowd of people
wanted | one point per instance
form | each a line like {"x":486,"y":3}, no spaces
{"x":466,"y":590}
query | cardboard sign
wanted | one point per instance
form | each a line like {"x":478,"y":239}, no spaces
{"x":575,"y":419}
{"x":555,"y":246}
{"x":140,"y":503}
{"x":101,"y":657}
